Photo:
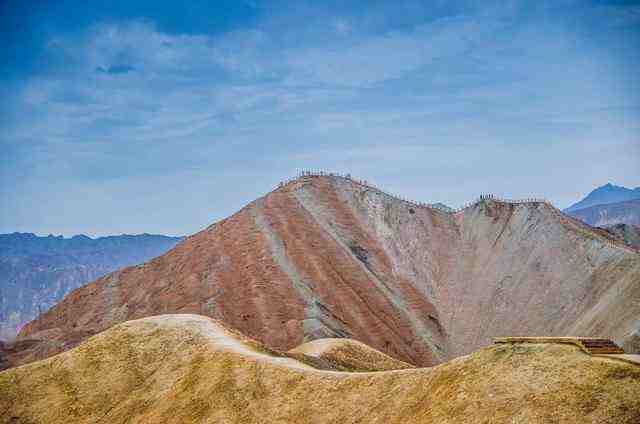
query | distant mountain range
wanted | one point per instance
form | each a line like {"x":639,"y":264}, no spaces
{"x":627,"y":212}
{"x":605,"y":194}
{"x":36,"y":272}
{"x":614,"y":208}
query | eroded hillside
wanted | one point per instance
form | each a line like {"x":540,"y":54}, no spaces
{"x":328,"y":257}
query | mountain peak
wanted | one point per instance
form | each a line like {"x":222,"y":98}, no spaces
{"x":608,"y":193}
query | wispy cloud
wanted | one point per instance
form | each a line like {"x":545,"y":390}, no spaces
{"x":115,"y":69}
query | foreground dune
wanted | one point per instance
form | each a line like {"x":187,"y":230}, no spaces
{"x":189,"y":368}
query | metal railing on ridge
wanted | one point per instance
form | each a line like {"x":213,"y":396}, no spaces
{"x":578,"y":226}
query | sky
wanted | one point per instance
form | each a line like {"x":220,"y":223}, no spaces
{"x":164,"y":117}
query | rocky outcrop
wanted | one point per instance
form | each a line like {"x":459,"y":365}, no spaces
{"x":188,"y":369}
{"x":328,"y":257}
{"x":37,"y":272}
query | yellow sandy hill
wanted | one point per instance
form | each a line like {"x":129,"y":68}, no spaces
{"x":189,"y":368}
{"x":350,"y":355}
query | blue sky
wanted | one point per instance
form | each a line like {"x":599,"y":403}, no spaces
{"x":150,"y":117}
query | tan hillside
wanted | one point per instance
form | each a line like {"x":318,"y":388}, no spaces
{"x":325,"y":256}
{"x":188,"y":368}
{"x":350,"y":354}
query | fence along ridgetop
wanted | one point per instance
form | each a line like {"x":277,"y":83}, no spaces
{"x":365,"y":183}
{"x":481,"y":198}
